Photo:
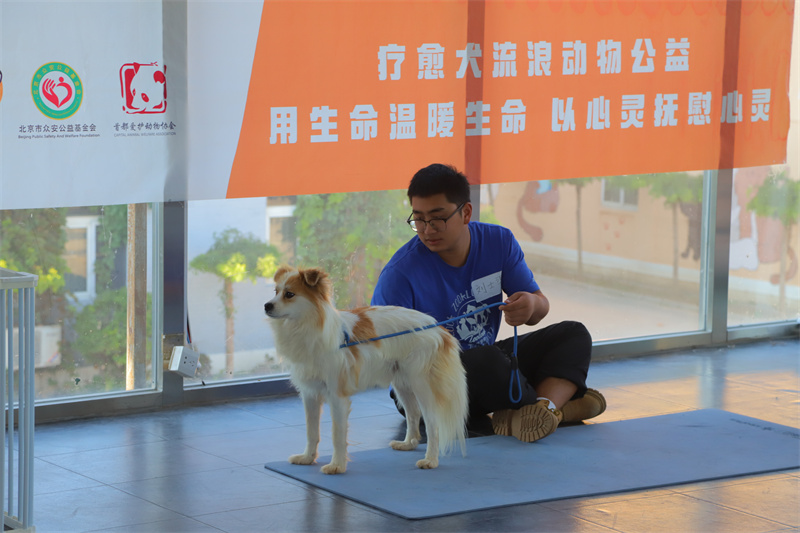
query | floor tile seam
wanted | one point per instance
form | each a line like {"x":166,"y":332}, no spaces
{"x":679,"y":495}
{"x":126,"y":493}
{"x":745,"y":479}
{"x":542,"y":506}
{"x":199,"y":517}
{"x":189,"y":472}
{"x":233,"y":466}
{"x":611,"y":498}
{"x":595,"y":523}
{"x":99,"y":482}
{"x":328,"y":420}
{"x":42,"y":456}
{"x":178,"y":513}
{"x":228,"y":433}
{"x":52,"y":492}
{"x":759,"y":386}
{"x":730,"y":508}
{"x":659,"y":397}
{"x":652,"y":376}
{"x":109,"y":448}
{"x":181,"y":517}
{"x":200,"y":417}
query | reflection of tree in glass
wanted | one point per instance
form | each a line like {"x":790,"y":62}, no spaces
{"x":235,"y":257}
{"x":579,"y":184}
{"x":101,"y":338}
{"x":32,"y":241}
{"x":680,"y":190}
{"x":352,"y":236}
{"x":779,"y":198}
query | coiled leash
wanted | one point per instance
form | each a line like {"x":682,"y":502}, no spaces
{"x":515,"y":379}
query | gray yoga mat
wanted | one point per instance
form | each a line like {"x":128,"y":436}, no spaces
{"x":584,"y":460}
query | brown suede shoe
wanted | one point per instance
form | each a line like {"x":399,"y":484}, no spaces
{"x":529,"y":423}
{"x":591,"y":405}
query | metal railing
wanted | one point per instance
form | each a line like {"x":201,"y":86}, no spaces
{"x":17,"y":394}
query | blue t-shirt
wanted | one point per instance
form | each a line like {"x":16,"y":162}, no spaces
{"x":418,"y":279}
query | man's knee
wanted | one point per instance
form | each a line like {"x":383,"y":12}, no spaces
{"x":578,"y":331}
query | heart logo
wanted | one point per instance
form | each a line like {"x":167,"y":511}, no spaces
{"x":57,"y":90}
{"x":51,"y":91}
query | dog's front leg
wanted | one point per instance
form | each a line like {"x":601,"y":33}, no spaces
{"x":340,"y":411}
{"x":312,"y":402}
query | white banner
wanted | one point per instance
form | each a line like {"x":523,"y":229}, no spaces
{"x":85,"y":115}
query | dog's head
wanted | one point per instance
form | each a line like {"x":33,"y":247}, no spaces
{"x":299,"y":293}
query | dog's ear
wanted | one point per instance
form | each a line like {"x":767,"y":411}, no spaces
{"x":282,"y":271}
{"x":318,"y":279}
{"x":313,"y":276}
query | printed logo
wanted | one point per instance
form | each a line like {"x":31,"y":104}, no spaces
{"x":1,"y":85}
{"x":57,"y":90}
{"x":144,"y":88}
{"x":473,"y":330}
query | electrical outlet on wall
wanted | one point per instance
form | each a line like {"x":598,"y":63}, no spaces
{"x":184,"y":361}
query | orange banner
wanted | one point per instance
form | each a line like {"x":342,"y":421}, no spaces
{"x":358,"y":95}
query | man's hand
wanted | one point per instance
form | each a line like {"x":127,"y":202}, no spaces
{"x":525,"y":308}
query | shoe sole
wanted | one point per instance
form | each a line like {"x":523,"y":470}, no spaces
{"x":501,"y":422}
{"x":528,"y":424}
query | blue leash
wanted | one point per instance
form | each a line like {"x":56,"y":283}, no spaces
{"x":514,"y":362}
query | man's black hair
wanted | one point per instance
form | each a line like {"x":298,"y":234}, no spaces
{"x":440,"y":179}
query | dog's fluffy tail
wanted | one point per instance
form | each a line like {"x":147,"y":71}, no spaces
{"x":448,"y":381}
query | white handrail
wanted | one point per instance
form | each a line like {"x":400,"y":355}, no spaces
{"x":17,"y":289}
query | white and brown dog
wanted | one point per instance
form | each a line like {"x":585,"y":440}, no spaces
{"x":424,"y":366}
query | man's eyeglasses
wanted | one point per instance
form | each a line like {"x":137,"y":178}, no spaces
{"x":436,"y":224}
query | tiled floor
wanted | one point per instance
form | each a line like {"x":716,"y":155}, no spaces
{"x":201,"y":469}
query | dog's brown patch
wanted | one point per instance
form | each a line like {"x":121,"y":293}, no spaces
{"x":281,"y":272}
{"x":319,"y":281}
{"x":364,"y":328}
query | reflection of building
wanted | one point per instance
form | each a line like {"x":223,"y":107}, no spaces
{"x":281,"y":231}
{"x":620,"y":226}
{"x":80,"y":253}
{"x":83,"y":245}
{"x":615,"y":226}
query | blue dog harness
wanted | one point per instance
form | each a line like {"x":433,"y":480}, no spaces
{"x":515,"y":376}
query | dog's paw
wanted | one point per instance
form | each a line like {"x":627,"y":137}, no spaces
{"x":404,"y":446}
{"x":333,"y":469}
{"x":301,"y":459}
{"x":427,"y":464}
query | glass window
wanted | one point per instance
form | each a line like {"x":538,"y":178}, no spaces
{"x":350,"y":235}
{"x":619,"y":195}
{"x":626,"y":268}
{"x":764,"y":282}
{"x":79,"y":254}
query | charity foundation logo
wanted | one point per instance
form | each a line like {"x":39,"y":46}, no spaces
{"x":144,"y":88}
{"x":57,"y":90}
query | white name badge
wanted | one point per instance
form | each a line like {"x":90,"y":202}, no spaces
{"x":487,"y":287}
